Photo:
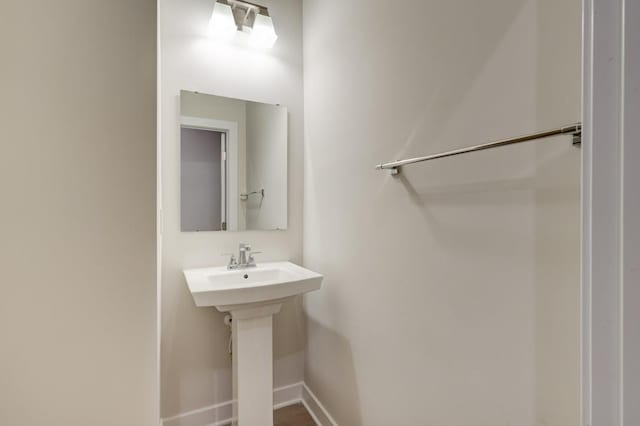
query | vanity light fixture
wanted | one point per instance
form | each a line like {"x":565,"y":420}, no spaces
{"x":231,"y":16}
{"x":263,"y":34}
{"x":222,"y":25}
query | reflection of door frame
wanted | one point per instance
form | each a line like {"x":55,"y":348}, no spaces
{"x":230,"y":129}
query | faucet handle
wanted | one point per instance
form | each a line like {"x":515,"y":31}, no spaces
{"x":251,"y":261}
{"x":232,"y":260}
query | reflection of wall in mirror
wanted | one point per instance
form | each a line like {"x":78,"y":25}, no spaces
{"x":266,"y":166}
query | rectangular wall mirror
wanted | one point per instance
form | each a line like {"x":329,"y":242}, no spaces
{"x":233,"y":164}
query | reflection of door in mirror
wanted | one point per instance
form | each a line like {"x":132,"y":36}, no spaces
{"x":203,"y":174}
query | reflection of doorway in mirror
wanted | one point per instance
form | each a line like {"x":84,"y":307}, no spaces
{"x":203,"y":179}
{"x":227,"y":181}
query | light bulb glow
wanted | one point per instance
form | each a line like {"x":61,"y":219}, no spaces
{"x":222,"y":25}
{"x":263,"y":34}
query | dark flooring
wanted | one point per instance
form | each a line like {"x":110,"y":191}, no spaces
{"x":293,"y":415}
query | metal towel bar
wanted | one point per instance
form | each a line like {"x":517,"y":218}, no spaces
{"x":245,"y":197}
{"x":573,"y":129}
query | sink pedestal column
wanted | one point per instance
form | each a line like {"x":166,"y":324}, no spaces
{"x":253,"y":364}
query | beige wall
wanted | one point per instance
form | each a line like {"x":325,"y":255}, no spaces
{"x":195,"y":365}
{"x":77,"y":222}
{"x":451,"y":294}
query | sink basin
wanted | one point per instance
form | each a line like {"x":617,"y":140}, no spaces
{"x":226,"y":289}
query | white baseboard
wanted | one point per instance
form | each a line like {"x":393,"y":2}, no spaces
{"x":315,"y":408}
{"x":213,"y":415}
{"x":287,"y":395}
{"x":222,"y":414}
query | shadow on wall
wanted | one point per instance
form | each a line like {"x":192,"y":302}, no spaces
{"x":506,"y":191}
{"x":470,"y":222}
{"x":435,"y":203}
{"x":553,"y":188}
{"x":289,"y":331}
{"x":557,"y":218}
{"x":336,"y":350}
{"x":557,"y":285}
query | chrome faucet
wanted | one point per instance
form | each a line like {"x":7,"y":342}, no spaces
{"x":245,"y":258}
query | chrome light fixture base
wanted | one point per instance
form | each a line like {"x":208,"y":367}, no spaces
{"x":250,"y":18}
{"x":244,"y":13}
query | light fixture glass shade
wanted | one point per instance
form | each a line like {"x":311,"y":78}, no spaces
{"x":222,"y":25}
{"x":263,"y":34}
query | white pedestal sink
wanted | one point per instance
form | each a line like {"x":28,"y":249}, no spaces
{"x":253,"y":296}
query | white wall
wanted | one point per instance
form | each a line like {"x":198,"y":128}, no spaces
{"x":266,"y":154}
{"x":451,"y":294}
{"x":77,"y":222}
{"x":195,"y":365}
